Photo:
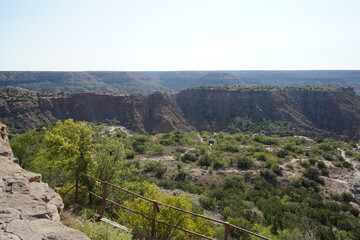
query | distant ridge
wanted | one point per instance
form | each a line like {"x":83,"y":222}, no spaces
{"x":171,"y":81}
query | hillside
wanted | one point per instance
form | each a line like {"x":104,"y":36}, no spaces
{"x":330,"y":111}
{"x":284,"y":188}
{"x":170,"y":81}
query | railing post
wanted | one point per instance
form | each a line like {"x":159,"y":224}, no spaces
{"x":76,"y":186}
{"x":103,"y":200}
{"x":226,"y":232}
{"x":153,"y":222}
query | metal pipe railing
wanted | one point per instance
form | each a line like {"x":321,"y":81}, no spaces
{"x":156,"y":209}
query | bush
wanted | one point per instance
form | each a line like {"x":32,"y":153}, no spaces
{"x":227,"y":145}
{"x":266,"y":140}
{"x":347,"y":164}
{"x":328,"y":157}
{"x":102,"y":231}
{"x":321,"y":165}
{"x":305,"y":163}
{"x":155,"y":150}
{"x":277,"y":170}
{"x":207,"y":203}
{"x":261,"y":156}
{"x":244,"y":162}
{"x":312,"y":174}
{"x":182,"y":175}
{"x":349,"y":153}
{"x":312,"y":161}
{"x":180,"y":150}
{"x":218,"y":163}
{"x":234,"y":181}
{"x":346,"y":197}
{"x":155,"y":167}
{"x":205,"y":160}
{"x":325,"y":172}
{"x":268,"y":175}
{"x":173,"y":138}
{"x":188,"y":157}
{"x":282,"y":153}
{"x":354,"y":212}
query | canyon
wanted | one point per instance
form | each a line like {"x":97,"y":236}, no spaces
{"x":330,"y":111}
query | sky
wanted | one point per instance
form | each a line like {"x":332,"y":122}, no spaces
{"x":172,"y":35}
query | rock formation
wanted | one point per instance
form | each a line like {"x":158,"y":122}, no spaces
{"x":333,"y":112}
{"x":29,"y":208}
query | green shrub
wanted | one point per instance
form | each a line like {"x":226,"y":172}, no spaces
{"x":347,"y":164}
{"x":325,"y":172}
{"x":283,"y":153}
{"x":328,"y":157}
{"x":218,"y":163}
{"x":227,"y":145}
{"x":321,"y":165}
{"x":312,"y":174}
{"x":180,"y":150}
{"x":244,"y":162}
{"x":205,"y":160}
{"x":102,"y":231}
{"x":349,"y":153}
{"x":233,"y":181}
{"x":354,"y":212}
{"x":277,"y":170}
{"x":268,"y":174}
{"x":266,"y":140}
{"x":346,"y":197}
{"x":155,"y":150}
{"x":305,"y":163}
{"x":207,"y":203}
{"x":173,"y":138}
{"x":312,"y":161}
{"x":188,"y":157}
{"x":155,"y":167}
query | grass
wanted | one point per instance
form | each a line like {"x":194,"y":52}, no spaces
{"x":94,"y":230}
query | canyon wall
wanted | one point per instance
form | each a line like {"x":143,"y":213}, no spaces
{"x":334,"y":112}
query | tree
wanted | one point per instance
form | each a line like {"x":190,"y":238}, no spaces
{"x":67,"y":148}
{"x":24,"y":147}
{"x":109,"y":159}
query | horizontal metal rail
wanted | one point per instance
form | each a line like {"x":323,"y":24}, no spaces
{"x":156,"y":209}
{"x":184,"y":230}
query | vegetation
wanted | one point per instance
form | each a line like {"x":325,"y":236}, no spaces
{"x":247,"y":88}
{"x":274,"y":186}
{"x":141,"y":82}
{"x":102,"y":231}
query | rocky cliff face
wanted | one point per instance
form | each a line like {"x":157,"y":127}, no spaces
{"x":141,"y":113}
{"x":29,"y":208}
{"x":335,"y":111}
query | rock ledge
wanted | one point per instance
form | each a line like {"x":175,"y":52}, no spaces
{"x":29,"y":208}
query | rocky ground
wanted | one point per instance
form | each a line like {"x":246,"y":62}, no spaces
{"x":29,"y":208}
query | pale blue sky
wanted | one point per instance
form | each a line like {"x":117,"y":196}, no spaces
{"x":81,"y":35}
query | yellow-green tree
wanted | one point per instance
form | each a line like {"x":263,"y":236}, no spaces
{"x":142,"y":226}
{"x":68,"y":147}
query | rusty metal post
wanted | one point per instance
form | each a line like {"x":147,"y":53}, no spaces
{"x":153,"y":222}
{"x":226,"y":232}
{"x":103,"y":200}
{"x":77,"y":187}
